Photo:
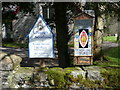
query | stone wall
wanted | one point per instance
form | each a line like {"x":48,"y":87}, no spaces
{"x":84,"y":77}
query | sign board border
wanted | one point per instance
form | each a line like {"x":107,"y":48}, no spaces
{"x":92,"y":28}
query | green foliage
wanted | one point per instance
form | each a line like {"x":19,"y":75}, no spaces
{"x":24,"y":6}
{"x":110,"y":38}
{"x":108,"y":8}
{"x":71,"y":45}
{"x":8,"y":14}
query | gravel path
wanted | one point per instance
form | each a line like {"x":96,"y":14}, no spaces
{"x":107,"y":45}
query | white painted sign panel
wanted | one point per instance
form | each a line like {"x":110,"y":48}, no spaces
{"x":41,"y":40}
{"x":83,"y":37}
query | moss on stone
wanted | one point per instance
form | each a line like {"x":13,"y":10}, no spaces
{"x":56,"y":68}
{"x":24,"y":70}
{"x":86,"y":82}
{"x":91,"y":83}
{"x":71,"y":68}
{"x":11,"y":80}
{"x":57,"y":76}
{"x":38,"y":78}
{"x":111,"y":77}
{"x":41,"y":69}
{"x":75,"y":80}
{"x":19,"y":72}
{"x":62,"y":77}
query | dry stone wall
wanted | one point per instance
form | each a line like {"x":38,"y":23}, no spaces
{"x":15,"y":76}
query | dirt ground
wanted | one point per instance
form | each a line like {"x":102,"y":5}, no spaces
{"x":27,"y":62}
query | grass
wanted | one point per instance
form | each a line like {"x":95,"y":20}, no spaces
{"x":112,"y":58}
{"x":110,"y":38}
{"x":14,"y":45}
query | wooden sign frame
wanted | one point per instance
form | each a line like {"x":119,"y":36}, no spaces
{"x":84,"y":59}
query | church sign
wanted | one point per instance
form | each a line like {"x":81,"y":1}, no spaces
{"x":41,"y":40}
{"x":83,"y":40}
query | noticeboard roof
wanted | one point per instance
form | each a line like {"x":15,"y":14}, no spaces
{"x":83,"y":15}
{"x":43,"y":21}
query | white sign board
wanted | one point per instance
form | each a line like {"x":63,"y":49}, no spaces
{"x":41,"y":40}
{"x":83,"y":37}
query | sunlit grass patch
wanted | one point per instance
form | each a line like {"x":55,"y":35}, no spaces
{"x":113,"y":55}
{"x":14,"y":45}
{"x":110,"y":38}
{"x":111,"y":58}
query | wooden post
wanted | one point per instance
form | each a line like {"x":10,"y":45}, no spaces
{"x":42,"y":63}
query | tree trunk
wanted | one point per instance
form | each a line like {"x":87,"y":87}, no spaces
{"x":118,"y":37}
{"x":97,"y":34}
{"x":9,"y":31}
{"x":62,"y":33}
